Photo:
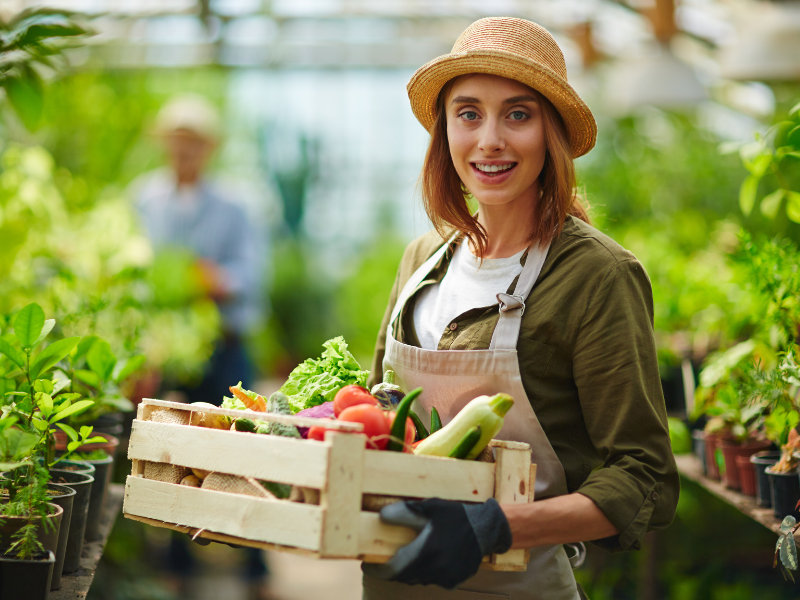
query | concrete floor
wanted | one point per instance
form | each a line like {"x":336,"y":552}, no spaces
{"x":292,"y":577}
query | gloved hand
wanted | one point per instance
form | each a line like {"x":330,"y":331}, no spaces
{"x":453,"y":539}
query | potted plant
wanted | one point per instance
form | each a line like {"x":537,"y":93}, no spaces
{"x":783,"y":479}
{"x":37,"y":400}
{"x":736,"y":425}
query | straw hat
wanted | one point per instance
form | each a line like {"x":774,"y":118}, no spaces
{"x":189,"y":112}
{"x":513,"y":48}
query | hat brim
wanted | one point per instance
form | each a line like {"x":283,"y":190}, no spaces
{"x":426,"y":83}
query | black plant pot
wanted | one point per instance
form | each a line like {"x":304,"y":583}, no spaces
{"x":48,"y":539}
{"x":76,"y":466}
{"x":102,"y":477}
{"x":26,"y":579}
{"x":110,"y":423}
{"x":760,"y":461}
{"x":62,"y":496}
{"x":82,"y":484}
{"x":785,"y":492}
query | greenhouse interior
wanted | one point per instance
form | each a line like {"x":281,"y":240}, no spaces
{"x":206,"y":207}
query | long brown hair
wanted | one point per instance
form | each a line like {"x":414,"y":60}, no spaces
{"x":445,"y":197}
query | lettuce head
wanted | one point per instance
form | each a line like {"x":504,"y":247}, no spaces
{"x":317,"y":380}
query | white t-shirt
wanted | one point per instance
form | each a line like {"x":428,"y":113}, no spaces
{"x":468,"y":283}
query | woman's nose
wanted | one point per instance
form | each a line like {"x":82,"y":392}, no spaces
{"x":491,"y":137}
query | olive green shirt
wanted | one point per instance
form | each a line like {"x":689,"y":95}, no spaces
{"x":587,"y":356}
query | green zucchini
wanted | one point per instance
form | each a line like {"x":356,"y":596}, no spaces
{"x":436,"y":420}
{"x":280,"y":490}
{"x":486,"y":411}
{"x":467,"y":443}
{"x":422,"y":433}
{"x":398,"y":431}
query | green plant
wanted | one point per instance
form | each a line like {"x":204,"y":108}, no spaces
{"x":29,"y":41}
{"x":773,"y":273}
{"x":34,"y":401}
{"x":95,"y":272}
{"x":774,"y":160}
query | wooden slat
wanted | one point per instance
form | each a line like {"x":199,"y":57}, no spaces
{"x":266,"y":457}
{"x":532,"y":483}
{"x":260,"y":519}
{"x":378,"y":542}
{"x":512,"y":486}
{"x":340,"y":499}
{"x":261,"y":416}
{"x":510,"y":445}
{"x":196,"y":532}
{"x":400,"y":474}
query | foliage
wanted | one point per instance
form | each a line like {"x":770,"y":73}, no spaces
{"x":38,"y":397}
{"x":362,"y":297}
{"x":96,"y":273}
{"x":774,"y":272}
{"x":701,"y":298}
{"x":786,"y":547}
{"x":658,"y":167}
{"x":29,"y":41}
{"x":774,"y":161}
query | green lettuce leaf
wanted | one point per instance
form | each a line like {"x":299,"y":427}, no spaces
{"x":317,"y":380}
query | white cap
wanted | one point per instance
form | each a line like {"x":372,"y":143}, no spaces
{"x":191,"y":112}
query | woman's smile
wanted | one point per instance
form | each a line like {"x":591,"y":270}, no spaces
{"x":493,"y":172}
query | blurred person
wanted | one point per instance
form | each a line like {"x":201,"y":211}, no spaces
{"x":181,"y":208}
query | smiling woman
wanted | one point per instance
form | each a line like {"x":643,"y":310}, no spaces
{"x":523,"y":298}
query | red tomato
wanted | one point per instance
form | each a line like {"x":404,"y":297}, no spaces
{"x":375,"y":424}
{"x":411,"y":431}
{"x":317,"y":433}
{"x":351,"y":395}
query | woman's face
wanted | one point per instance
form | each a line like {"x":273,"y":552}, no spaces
{"x":496,"y":137}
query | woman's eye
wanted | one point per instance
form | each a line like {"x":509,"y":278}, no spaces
{"x":518,"y":115}
{"x":469,"y":115}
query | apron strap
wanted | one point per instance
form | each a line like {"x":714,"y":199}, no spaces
{"x":416,"y":278}
{"x":512,"y":306}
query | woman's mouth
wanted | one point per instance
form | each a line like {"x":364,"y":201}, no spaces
{"x":494,"y":173}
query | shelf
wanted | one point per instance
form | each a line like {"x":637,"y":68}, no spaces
{"x":76,"y":585}
{"x":690,"y":467}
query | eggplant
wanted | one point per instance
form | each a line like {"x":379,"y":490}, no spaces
{"x":388,"y":393}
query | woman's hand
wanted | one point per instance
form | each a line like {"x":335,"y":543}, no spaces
{"x":453,"y":539}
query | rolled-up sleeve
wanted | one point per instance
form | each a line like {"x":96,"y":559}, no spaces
{"x":619,"y":388}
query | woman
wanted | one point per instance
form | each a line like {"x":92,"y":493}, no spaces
{"x":524,"y":298}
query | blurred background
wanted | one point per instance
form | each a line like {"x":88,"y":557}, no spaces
{"x":291,"y":118}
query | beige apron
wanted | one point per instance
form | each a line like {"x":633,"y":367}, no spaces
{"x":450,"y":379}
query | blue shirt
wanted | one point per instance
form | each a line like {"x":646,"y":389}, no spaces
{"x":214,"y":228}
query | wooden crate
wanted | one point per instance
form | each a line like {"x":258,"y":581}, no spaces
{"x":340,"y":468}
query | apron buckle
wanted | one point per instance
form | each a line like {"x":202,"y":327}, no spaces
{"x":510,"y":302}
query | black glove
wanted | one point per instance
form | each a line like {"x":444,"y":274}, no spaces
{"x":453,"y":539}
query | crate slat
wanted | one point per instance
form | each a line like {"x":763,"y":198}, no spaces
{"x":340,"y":499}
{"x":261,"y":416}
{"x":266,"y":457}
{"x":512,"y":486}
{"x":377,"y":542}
{"x":272,"y":521}
{"x":401,"y":474}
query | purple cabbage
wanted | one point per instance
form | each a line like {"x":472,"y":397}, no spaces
{"x":321,"y":411}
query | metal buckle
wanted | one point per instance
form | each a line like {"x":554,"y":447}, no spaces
{"x":510,"y":302}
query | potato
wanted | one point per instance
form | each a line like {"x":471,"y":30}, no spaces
{"x":211,"y":421}
{"x":200,"y":474}
{"x":191,"y":481}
